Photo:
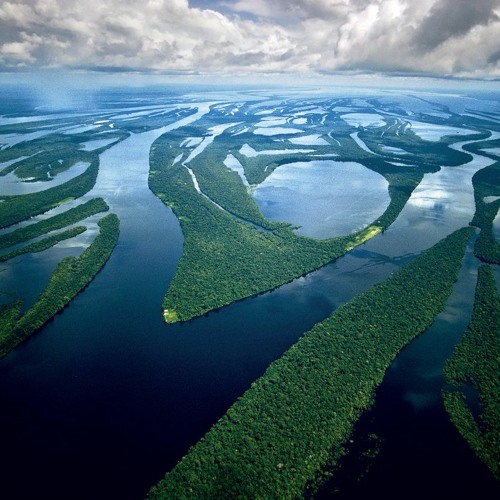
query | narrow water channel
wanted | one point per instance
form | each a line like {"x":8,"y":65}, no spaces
{"x":418,"y":453}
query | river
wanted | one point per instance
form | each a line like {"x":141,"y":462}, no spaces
{"x":106,"y":397}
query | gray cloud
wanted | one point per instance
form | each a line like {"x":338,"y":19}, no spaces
{"x":452,"y":18}
{"x":494,"y":58}
{"x":426,"y":36}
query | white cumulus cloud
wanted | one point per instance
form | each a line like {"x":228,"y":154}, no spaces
{"x":441,"y":37}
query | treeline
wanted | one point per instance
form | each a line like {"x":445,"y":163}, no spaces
{"x":70,"y":277}
{"x":61,"y":155}
{"x":224,"y":186}
{"x":71,"y":216}
{"x":401,"y":186}
{"x":434,"y":154}
{"x":257,"y":168}
{"x":300,"y":413}
{"x":486,"y":183}
{"x":402,"y":180}
{"x":476,"y":361}
{"x":16,"y":208}
{"x":45,"y":243}
{"x":225,"y":259}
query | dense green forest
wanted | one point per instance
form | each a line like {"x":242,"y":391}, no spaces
{"x":42,"y":159}
{"x":486,"y":184}
{"x":300,"y":413}
{"x":17,"y":208}
{"x":254,"y":260}
{"x":262,"y":254}
{"x":71,"y":216}
{"x":476,"y":362}
{"x":69,"y":278}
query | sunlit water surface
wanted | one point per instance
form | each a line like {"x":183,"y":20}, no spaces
{"x":106,"y":398}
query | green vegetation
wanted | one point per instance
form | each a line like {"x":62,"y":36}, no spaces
{"x":401,"y":187}
{"x":69,"y":278}
{"x":41,"y":159}
{"x":17,"y":208}
{"x":486,"y":183}
{"x":262,"y":255}
{"x":300,"y":413}
{"x":59,"y":221}
{"x":476,"y":361}
{"x":257,"y":168}
{"x":43,"y":166}
{"x":39,"y":246}
{"x":224,"y":186}
{"x":433,"y":154}
{"x":254,"y":261}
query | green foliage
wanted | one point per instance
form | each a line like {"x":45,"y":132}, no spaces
{"x":46,"y":164}
{"x":14,"y":209}
{"x":69,"y":278}
{"x":8,"y":317}
{"x":400,"y":188}
{"x":44,"y":244}
{"x":253,"y":260}
{"x":257,"y":168}
{"x":476,"y":361}
{"x":486,"y":183}
{"x":300,"y":413}
{"x":431,"y":154}
{"x":42,"y":158}
{"x":224,"y":186}
{"x":59,"y":221}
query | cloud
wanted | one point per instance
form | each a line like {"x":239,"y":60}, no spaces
{"x":453,"y":19}
{"x":437,"y":37}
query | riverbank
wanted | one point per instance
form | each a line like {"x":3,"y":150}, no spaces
{"x":299,"y":414}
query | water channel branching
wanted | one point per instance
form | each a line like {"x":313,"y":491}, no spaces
{"x":16,"y":208}
{"x":71,"y":216}
{"x":45,"y":243}
{"x":475,"y":361}
{"x":300,"y":413}
{"x":69,"y":278}
{"x":253,"y":261}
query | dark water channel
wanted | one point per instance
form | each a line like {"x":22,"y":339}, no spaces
{"x":418,"y":453}
{"x":106,"y":398}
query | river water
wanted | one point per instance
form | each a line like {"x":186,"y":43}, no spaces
{"x":106,"y":398}
{"x":420,"y":454}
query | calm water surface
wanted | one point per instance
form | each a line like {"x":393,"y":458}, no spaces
{"x":417,"y":445}
{"x":323,"y":197}
{"x":106,"y":398}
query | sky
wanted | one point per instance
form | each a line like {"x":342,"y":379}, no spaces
{"x":436,"y":38}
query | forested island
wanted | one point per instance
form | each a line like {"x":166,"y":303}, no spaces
{"x":224,"y":229}
{"x":219,"y":202}
{"x":217,"y":244}
{"x":487,"y":196}
{"x":43,"y":160}
{"x":21,"y":207}
{"x":298,"y":416}
{"x":69,"y":278}
{"x":475,"y":363}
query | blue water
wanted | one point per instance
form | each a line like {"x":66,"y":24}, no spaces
{"x":418,"y":446}
{"x":323,"y":197}
{"x":106,"y":398}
